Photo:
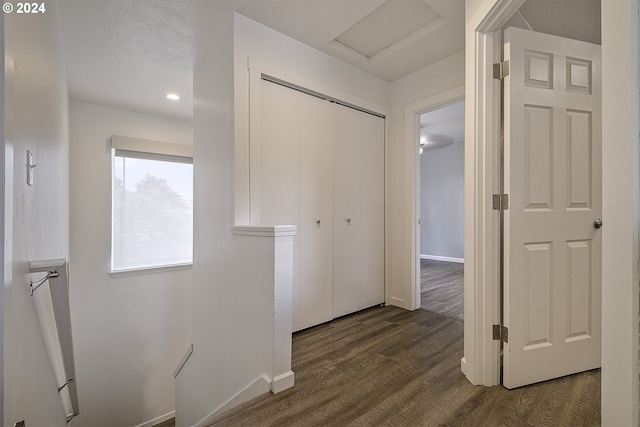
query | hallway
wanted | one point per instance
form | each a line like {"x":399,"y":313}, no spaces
{"x":388,"y":366}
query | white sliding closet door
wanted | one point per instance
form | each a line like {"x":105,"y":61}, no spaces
{"x":358,"y":191}
{"x":316,"y":212}
{"x":320,"y":166}
{"x":372,"y":211}
{"x":296,"y":188}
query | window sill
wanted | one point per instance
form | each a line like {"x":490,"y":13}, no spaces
{"x":150,"y":270}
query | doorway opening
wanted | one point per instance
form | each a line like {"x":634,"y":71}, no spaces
{"x":441,"y":209}
{"x":482,"y":353}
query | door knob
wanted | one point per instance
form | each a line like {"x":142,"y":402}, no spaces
{"x":348,"y":220}
{"x":318,"y":222}
{"x":597,"y":223}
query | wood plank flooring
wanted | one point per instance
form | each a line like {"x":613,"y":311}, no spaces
{"x":390,"y":367}
{"x":442,"y":288}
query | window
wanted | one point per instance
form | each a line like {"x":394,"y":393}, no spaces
{"x":152,"y":191}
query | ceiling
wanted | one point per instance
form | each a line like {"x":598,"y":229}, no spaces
{"x":129,"y":54}
{"x":573,"y":19}
{"x":387,"y":38}
{"x":442,"y":126}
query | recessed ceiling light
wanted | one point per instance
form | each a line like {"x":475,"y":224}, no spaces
{"x":173,"y":97}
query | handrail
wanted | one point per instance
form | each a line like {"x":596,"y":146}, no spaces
{"x":58,"y":276}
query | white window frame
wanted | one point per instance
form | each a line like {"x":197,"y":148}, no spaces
{"x":123,"y":146}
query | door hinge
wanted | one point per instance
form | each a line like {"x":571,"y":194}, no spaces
{"x":500,"y":202}
{"x":500,"y":333}
{"x":501,"y":70}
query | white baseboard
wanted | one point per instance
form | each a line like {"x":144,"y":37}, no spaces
{"x":158,"y":420}
{"x":442,"y":258}
{"x":253,"y":390}
{"x":282,"y":382}
{"x":398,"y":302}
{"x":463,"y":366}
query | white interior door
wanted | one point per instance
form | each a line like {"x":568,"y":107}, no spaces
{"x":552,"y":277}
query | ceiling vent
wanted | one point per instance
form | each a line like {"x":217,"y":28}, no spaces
{"x":390,"y":24}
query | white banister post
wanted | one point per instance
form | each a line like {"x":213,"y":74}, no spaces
{"x":282,"y":376}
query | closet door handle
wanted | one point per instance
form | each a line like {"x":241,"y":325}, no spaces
{"x":348,"y":220}
{"x":318,"y":221}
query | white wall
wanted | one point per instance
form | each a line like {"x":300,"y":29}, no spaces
{"x":36,"y":217}
{"x":2,"y":216}
{"x":233,"y":288}
{"x":440,"y":77}
{"x":621,"y":210}
{"x":130,"y":331}
{"x":218,"y":369}
{"x":442,"y":201}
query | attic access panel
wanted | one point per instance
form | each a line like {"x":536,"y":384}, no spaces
{"x":390,"y":23}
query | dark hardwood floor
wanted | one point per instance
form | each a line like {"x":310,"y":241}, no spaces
{"x":390,"y":367}
{"x":442,"y":287}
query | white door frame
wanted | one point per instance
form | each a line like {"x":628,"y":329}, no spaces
{"x":481,"y":361}
{"x":620,"y":210}
{"x":481,"y":241}
{"x":412,"y":114}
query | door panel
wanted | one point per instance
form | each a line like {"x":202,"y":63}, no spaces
{"x":538,"y":294}
{"x":579,"y":159}
{"x":316,"y":204}
{"x":538,"y":158}
{"x":347,"y":190}
{"x":553,"y":177}
{"x":358,"y":211}
{"x":579,"y":290}
{"x":372,"y":210}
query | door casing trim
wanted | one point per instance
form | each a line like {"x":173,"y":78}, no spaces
{"x":412,"y":114}
{"x":481,"y":361}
